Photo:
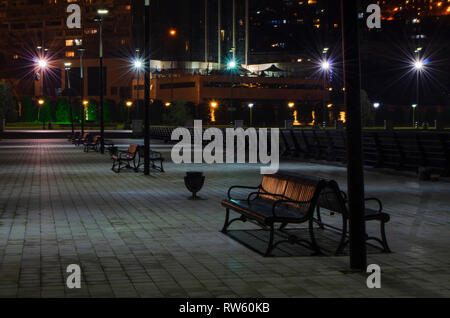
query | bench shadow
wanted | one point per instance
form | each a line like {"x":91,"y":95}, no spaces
{"x":257,"y":240}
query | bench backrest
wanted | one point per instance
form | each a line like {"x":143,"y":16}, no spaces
{"x":294,"y":187}
{"x":331,"y":199}
{"x":274,"y":184}
{"x":132,"y":149}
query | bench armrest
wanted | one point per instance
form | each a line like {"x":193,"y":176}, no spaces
{"x":239,"y":187}
{"x":266,"y":193}
{"x":380,"y":205}
{"x":274,"y":206}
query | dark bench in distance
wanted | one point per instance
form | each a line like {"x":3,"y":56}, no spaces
{"x":81,"y":139}
{"x":92,"y":144}
{"x":335,"y":201}
{"x":124,"y":159}
{"x":279,"y":199}
{"x":156,"y":159}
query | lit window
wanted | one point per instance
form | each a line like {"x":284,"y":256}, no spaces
{"x":70,"y":53}
{"x":69,"y":42}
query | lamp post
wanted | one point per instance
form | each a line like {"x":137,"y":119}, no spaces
{"x":355,"y":172}
{"x":99,"y":19}
{"x":137,"y":65}
{"x":147,"y":90}
{"x":69,"y":91}
{"x":83,"y":107}
{"x":414,"y":106}
{"x":129,"y":104}
{"x":418,"y":66}
{"x":325,"y":66}
{"x":41,"y":103}
{"x":213,"y":105}
{"x":250,"y":106}
{"x":231,"y":65}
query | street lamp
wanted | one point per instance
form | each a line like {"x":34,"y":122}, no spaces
{"x":376,"y":105}
{"x":85,"y":105}
{"x":99,"y":19}
{"x":213,"y":105}
{"x":172,"y":32}
{"x":138,"y":65}
{"x":325,"y":67}
{"x":129,"y":104}
{"x":67,"y":66}
{"x":231,"y":66}
{"x":41,"y":103}
{"x":250,"y":106}
{"x":41,"y":66}
{"x":83,"y":117}
{"x":418,"y":66}
{"x":414,"y":106}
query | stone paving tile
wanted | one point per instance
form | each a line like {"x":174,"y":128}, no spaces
{"x":138,"y":236}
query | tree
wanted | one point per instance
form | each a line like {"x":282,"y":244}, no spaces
{"x":62,"y":111}
{"x":177,"y":114}
{"x":7,"y":103}
{"x":28,"y":110}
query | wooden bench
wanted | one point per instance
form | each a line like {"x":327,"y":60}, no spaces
{"x":281,"y":198}
{"x":92,"y":144}
{"x":82,"y":139}
{"x":156,"y":159}
{"x":124,"y":159}
{"x":334,"y":200}
{"x":74,"y":136}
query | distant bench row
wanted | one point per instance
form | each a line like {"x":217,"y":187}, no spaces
{"x":402,"y":150}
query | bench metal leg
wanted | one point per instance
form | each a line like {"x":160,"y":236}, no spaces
{"x":270,"y":246}
{"x":383,"y":237}
{"x":343,"y":242}
{"x":314,"y":244}
{"x":226,"y":224}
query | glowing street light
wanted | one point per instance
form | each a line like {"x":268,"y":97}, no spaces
{"x":137,"y":63}
{"x":213,"y":105}
{"x":419,"y":65}
{"x":101,"y":12}
{"x":168,"y":104}
{"x":42,"y":63}
{"x":325,"y":65}
{"x":41,"y":103}
{"x":376,"y":105}
{"x":128,"y":103}
{"x":172,"y":32}
{"x":414,"y":106}
{"x":291,"y":104}
{"x":231,"y":65}
{"x":250,"y":106}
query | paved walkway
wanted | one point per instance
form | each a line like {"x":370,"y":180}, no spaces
{"x":137,"y":236}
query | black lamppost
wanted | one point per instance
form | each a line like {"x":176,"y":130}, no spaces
{"x":325,"y":66}
{"x":355,"y":172}
{"x":147,"y":90}
{"x":69,"y":91}
{"x":83,"y":108}
{"x":99,"y":19}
